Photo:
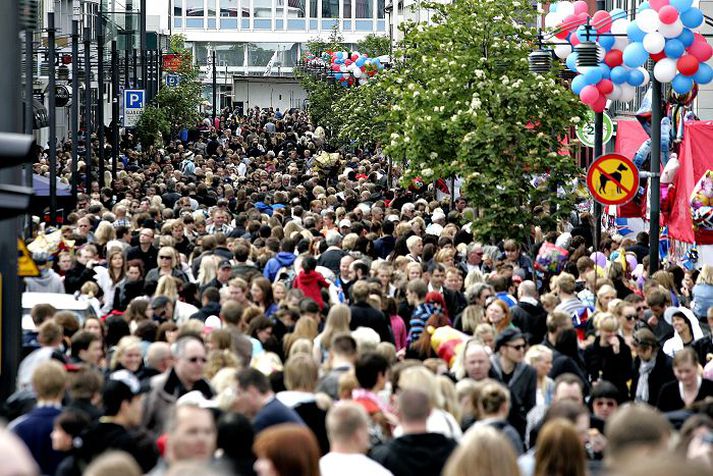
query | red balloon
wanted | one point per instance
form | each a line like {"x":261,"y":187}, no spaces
{"x":658,"y":56}
{"x":658,"y":4}
{"x":687,"y":65}
{"x":348,"y":62}
{"x":600,"y":104}
{"x":589,"y":94}
{"x":335,"y":67}
{"x":700,"y":49}
{"x":355,"y":56}
{"x":614,"y":58}
{"x":601,"y":20}
{"x":605,"y":86}
{"x":668,"y":14}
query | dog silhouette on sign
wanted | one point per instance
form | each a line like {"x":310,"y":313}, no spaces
{"x":616,"y":175}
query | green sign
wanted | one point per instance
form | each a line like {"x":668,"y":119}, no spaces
{"x":585,"y":130}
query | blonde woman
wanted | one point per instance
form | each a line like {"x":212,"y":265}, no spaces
{"x":168,"y":265}
{"x":337,"y":322}
{"x":208,"y":269}
{"x":540,"y":358}
{"x":703,"y":292}
{"x":127,"y":355}
{"x":167,"y":286}
{"x":305,"y":328}
{"x":484,"y":451}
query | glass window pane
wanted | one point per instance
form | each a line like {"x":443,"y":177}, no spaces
{"x":295,"y":9}
{"x":194,"y":8}
{"x":330,"y":8}
{"x":211,"y":8}
{"x":177,"y":8}
{"x":347,"y":8}
{"x":228,"y":8}
{"x":379,"y":8}
{"x":262,"y":8}
{"x":363,"y":8}
{"x":313,"y":9}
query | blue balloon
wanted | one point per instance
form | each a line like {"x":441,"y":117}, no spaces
{"x":592,"y":75}
{"x":635,"y":55}
{"x":642,"y":7}
{"x":686,"y":37}
{"x":617,"y":14}
{"x":578,"y":83}
{"x":681,"y":84}
{"x":606,"y":41}
{"x":692,"y":18}
{"x":572,"y":62}
{"x":704,"y":75}
{"x":681,"y":5}
{"x":634,"y":32}
{"x":584,"y":35}
{"x":619,"y":75}
{"x":636,"y":77}
{"x":606,"y":71}
{"x":674,"y":48}
{"x":360,"y":62}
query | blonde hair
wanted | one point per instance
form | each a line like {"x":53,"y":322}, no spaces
{"x":706,"y":276}
{"x":472,"y":317}
{"x":305,"y":327}
{"x":104,"y":233}
{"x":218,"y":360}
{"x":484,"y":451}
{"x":167,"y":286}
{"x":606,"y":322}
{"x":125,"y":344}
{"x":208,"y":269}
{"x":535,"y":353}
{"x":89,"y":289}
{"x":450,"y":398}
{"x":422,"y":379}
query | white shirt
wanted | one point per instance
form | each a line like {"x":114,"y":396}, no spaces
{"x":346,"y":464}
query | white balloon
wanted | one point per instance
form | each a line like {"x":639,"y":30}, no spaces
{"x":672,"y":30}
{"x":562,"y":51}
{"x":627,"y":92}
{"x":553,"y":19}
{"x":615,"y":94}
{"x":648,"y":20}
{"x":620,"y":43}
{"x":357,"y":73}
{"x":665,"y":70}
{"x":565,"y":9}
{"x":654,"y":42}
{"x":647,"y":77}
{"x":363,"y":80}
{"x":619,"y":26}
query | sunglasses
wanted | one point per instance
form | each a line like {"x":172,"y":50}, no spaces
{"x":517,"y":347}
{"x":630,"y":317}
{"x":165,"y":257}
{"x":194,"y":360}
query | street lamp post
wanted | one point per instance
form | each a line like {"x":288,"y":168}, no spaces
{"x":215,"y":104}
{"x":87,"y":110}
{"x":114,"y":108}
{"x":100,"y":94}
{"x":52,"y":114}
{"x":655,"y":176}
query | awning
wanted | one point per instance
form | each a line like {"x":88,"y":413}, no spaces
{"x":41,"y":187}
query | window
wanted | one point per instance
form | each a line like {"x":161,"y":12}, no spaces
{"x":330,"y":8}
{"x":295,"y":9}
{"x":364,"y":9}
{"x":211,"y":8}
{"x":177,"y":8}
{"x":194,"y":8}
{"x":347,"y":8}
{"x":228,"y":8}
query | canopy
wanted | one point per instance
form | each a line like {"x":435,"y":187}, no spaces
{"x":41,"y":186}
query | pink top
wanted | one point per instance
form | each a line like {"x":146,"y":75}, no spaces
{"x":399,"y":329}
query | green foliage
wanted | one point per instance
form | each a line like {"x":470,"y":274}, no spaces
{"x":322,"y":95}
{"x":334,"y":42}
{"x":464,"y":102}
{"x":173,"y":107}
{"x":374,"y":45}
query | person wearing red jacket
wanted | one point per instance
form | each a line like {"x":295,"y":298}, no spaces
{"x":310,"y":281}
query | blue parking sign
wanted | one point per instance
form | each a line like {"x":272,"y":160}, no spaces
{"x":134,"y":102}
{"x":172,"y":80}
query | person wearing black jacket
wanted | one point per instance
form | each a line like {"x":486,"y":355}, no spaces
{"x":211,"y":304}
{"x":652,"y":368}
{"x":688,"y":387}
{"x":608,"y":357}
{"x":364,"y":315}
{"x":529,"y":315}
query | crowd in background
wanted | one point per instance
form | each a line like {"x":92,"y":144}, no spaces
{"x":255,"y":307}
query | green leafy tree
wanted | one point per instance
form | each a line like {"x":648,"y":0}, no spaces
{"x":463,"y":102}
{"x":173,"y":107}
{"x":374,"y":45}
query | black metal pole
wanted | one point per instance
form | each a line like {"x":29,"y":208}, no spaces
{"x":100,"y":98}
{"x":135,"y":81}
{"x":114,"y":108}
{"x":126,"y":68}
{"x":52,"y":118}
{"x":87,"y":111}
{"x":29,"y":111}
{"x":215,"y":104}
{"x":10,"y":121}
{"x":654,"y":181}
{"x":149,"y":76}
{"x":598,"y":151}
{"x":142,"y":41}
{"x":75,"y":107}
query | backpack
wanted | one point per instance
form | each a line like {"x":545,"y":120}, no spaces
{"x":285,"y":275}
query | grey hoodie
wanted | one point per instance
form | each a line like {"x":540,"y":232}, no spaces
{"x":47,"y":282}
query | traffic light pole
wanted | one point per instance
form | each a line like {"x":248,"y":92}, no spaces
{"x":100,"y":98}
{"x":87,"y":111}
{"x":52,"y":114}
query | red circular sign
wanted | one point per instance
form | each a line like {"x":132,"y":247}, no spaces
{"x":613,"y":179}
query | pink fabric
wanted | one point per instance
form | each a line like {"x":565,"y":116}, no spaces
{"x":399,"y":329}
{"x":695,"y":158}
{"x":629,"y":137}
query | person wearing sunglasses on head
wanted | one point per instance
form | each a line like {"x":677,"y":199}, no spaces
{"x":186,"y":375}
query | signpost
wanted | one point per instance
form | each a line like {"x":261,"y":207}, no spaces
{"x":585,"y":130}
{"x":134,"y":102}
{"x":613,"y":179}
{"x":172,"y":80}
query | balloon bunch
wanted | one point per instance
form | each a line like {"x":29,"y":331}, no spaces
{"x":352,"y":68}
{"x":664,"y":30}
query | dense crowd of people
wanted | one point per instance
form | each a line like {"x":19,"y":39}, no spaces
{"x":256,"y":306}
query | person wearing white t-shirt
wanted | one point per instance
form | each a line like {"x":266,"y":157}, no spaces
{"x":348,"y":432}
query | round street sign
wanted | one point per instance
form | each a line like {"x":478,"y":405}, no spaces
{"x":585,"y":130}
{"x":613,"y":179}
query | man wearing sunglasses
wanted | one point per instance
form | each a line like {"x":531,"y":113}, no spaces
{"x":189,"y":353}
{"x":508,"y":367}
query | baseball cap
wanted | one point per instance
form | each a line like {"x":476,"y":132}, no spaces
{"x":345,"y":222}
{"x":225,"y":264}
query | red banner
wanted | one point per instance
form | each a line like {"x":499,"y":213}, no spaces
{"x":171,"y":62}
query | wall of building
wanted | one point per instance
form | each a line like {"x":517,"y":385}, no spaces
{"x":268,"y":92}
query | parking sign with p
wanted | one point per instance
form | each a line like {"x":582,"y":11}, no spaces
{"x":134,"y":102}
